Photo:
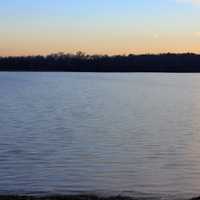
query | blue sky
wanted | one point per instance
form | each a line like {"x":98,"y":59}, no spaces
{"x":99,"y":26}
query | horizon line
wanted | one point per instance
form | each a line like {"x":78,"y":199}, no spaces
{"x":84,"y":54}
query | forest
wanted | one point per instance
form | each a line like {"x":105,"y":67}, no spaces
{"x":81,"y":62}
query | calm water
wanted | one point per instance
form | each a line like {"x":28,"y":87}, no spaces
{"x":135,"y":134}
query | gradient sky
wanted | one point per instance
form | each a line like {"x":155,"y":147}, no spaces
{"x":99,"y":26}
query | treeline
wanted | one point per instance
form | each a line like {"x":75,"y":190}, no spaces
{"x":81,"y":62}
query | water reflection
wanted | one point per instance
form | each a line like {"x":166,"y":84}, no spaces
{"x":113,"y":133}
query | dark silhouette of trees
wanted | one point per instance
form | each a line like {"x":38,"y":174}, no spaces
{"x":81,"y":62}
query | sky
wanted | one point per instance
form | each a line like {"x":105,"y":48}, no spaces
{"x":29,"y":27}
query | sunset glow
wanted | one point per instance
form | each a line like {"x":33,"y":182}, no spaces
{"x":99,"y":26}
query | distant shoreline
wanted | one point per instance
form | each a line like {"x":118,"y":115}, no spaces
{"x":106,"y":72}
{"x":80,"y":62}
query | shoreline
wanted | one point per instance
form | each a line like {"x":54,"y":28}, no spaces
{"x":80,"y":197}
{"x":104,"y":72}
{"x":66,"y":197}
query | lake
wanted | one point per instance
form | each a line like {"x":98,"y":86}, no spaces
{"x":132,"y":134}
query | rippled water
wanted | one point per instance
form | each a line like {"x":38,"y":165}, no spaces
{"x":136,"y":134}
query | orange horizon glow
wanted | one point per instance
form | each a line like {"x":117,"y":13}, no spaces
{"x":99,"y":27}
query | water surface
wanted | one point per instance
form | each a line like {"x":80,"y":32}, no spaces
{"x":135,"y":134}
